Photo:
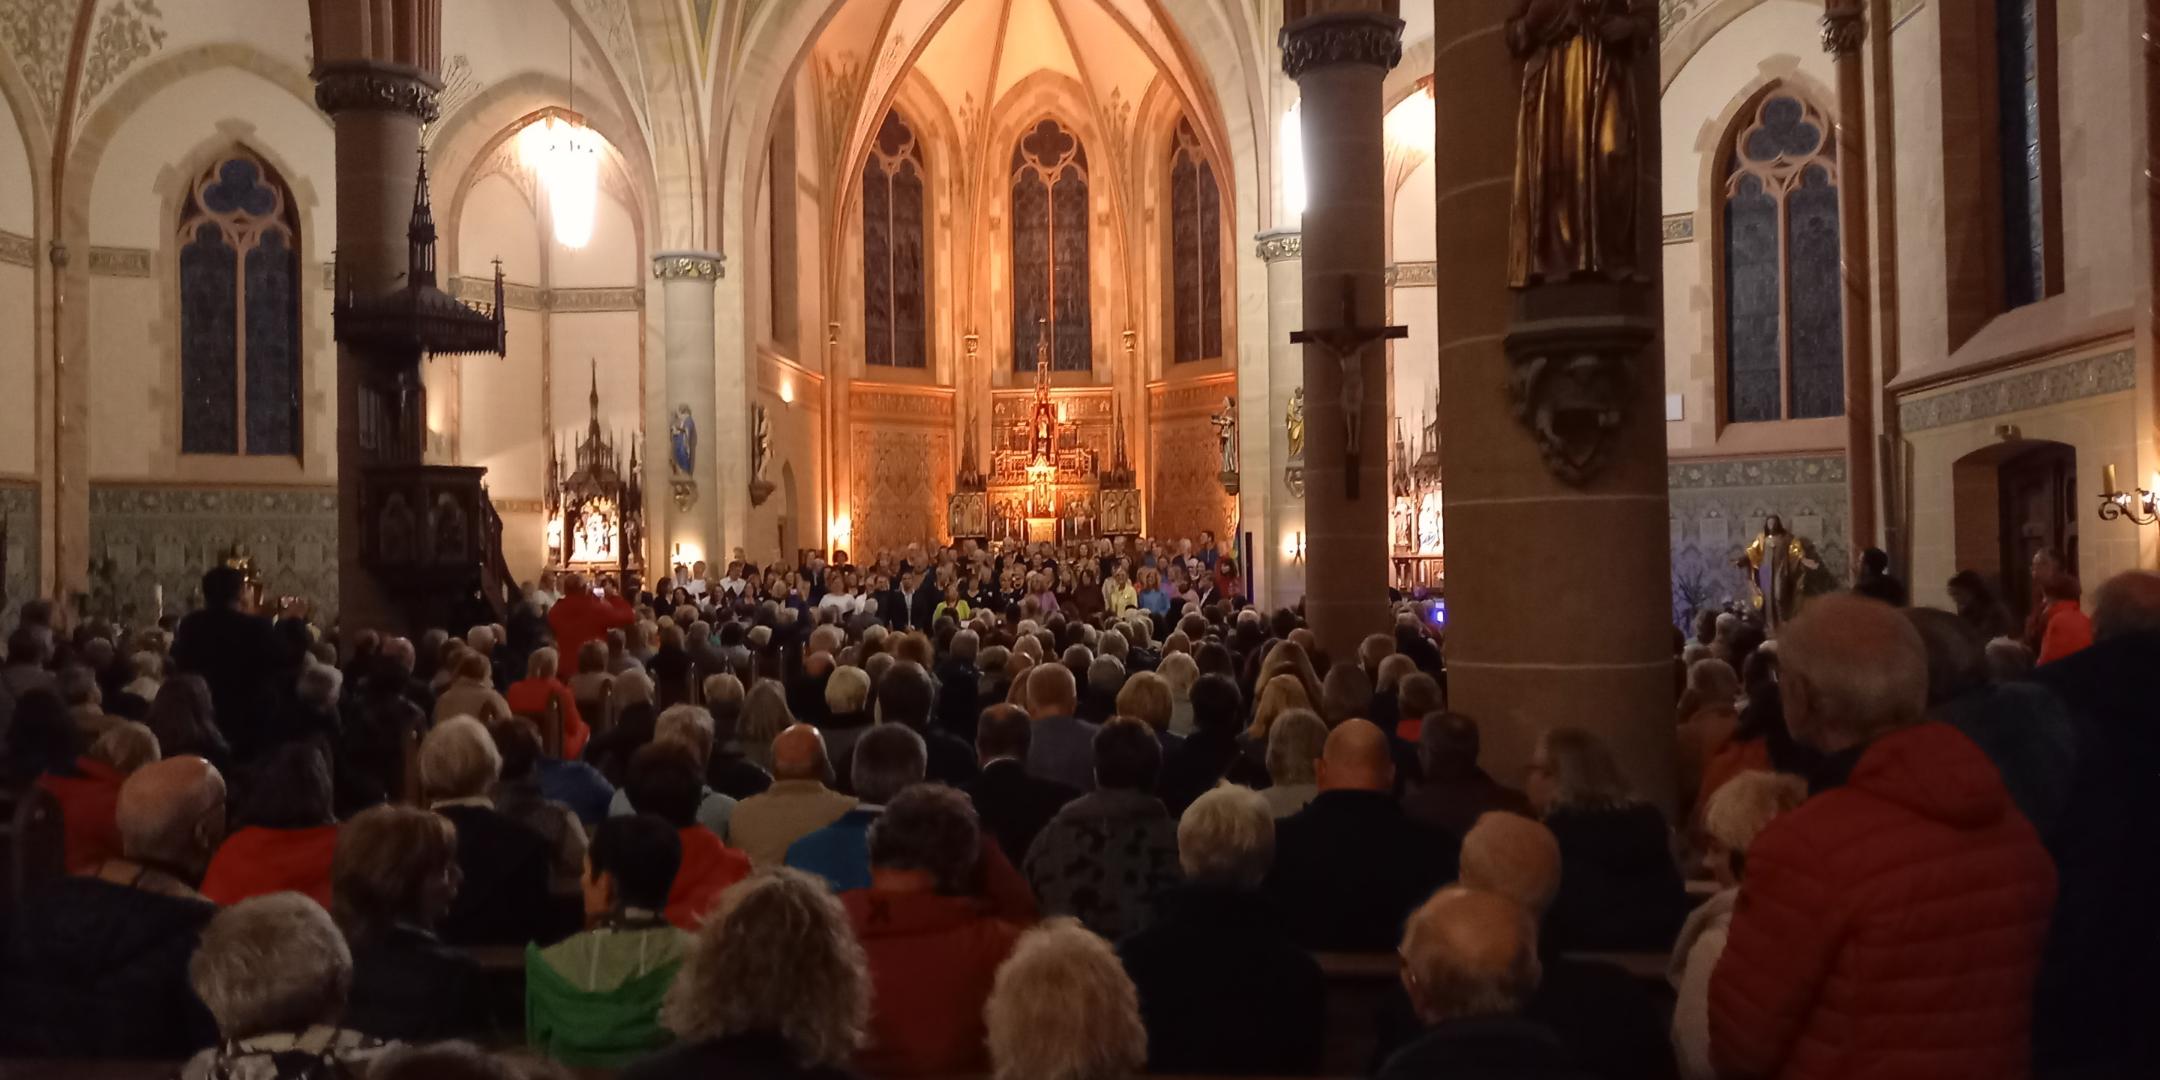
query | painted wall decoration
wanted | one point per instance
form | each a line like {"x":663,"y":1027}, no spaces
{"x":143,"y":537}
{"x":19,"y":545}
{"x":900,"y":474}
{"x":1186,"y":495}
{"x":1718,"y":507}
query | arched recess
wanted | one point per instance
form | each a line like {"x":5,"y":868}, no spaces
{"x":2008,"y":500}
{"x":26,"y":466}
{"x":1154,"y":129}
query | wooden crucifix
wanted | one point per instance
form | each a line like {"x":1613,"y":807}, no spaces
{"x":1347,"y":343}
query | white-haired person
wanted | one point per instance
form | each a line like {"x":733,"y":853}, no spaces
{"x":1469,"y":968}
{"x":506,"y":866}
{"x":1063,"y":1009}
{"x":1736,"y":813}
{"x":1223,"y":990}
{"x":274,"y":972}
{"x":540,"y":691}
{"x":736,"y":1016}
{"x":690,"y":727}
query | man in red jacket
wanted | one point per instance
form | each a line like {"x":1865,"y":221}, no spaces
{"x":1891,"y":927}
{"x":580,"y":616}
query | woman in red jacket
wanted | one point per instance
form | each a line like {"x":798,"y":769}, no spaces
{"x":2065,"y":626}
{"x":290,"y":839}
{"x":665,"y":781}
{"x":532,"y":695}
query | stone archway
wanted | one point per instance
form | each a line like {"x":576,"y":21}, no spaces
{"x":2009,"y":500}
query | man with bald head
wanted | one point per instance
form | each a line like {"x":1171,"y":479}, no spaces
{"x":1892,"y":925}
{"x":1062,"y":746}
{"x":1350,"y":865}
{"x":2097,"y":996}
{"x":96,"y":965}
{"x":1469,"y":967}
{"x":799,"y":802}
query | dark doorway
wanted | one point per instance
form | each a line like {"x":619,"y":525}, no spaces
{"x":2038,"y":489}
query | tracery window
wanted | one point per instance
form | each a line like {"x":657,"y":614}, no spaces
{"x":894,"y":301}
{"x":1050,"y":248}
{"x":1195,"y":250}
{"x":2021,"y":66}
{"x":1784,"y":347}
{"x":239,"y":312}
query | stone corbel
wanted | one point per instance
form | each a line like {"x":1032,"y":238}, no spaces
{"x":1569,"y":381}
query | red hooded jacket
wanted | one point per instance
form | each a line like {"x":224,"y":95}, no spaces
{"x":581,"y":617}
{"x":932,"y":962}
{"x":709,"y":866}
{"x":1890,"y":928}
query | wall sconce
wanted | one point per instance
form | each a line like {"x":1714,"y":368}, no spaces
{"x":787,"y":391}
{"x":1295,"y":548}
{"x":2141,"y":506}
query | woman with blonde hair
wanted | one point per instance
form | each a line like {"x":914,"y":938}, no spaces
{"x":1278,"y":694}
{"x":1179,"y":670}
{"x":592,"y":686}
{"x":1619,"y":888}
{"x":775,"y":985}
{"x":1294,"y":744}
{"x":1063,"y":1009}
{"x":1290,"y":658}
{"x":764,"y":716}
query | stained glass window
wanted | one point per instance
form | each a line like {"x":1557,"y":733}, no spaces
{"x":2024,"y":231}
{"x":894,"y":290}
{"x":239,"y":313}
{"x":1050,"y":249}
{"x":1195,"y":250}
{"x":1784,"y":333}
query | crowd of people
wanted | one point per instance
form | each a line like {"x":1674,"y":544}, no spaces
{"x":1070,"y":815}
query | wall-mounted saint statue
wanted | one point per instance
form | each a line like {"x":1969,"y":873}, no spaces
{"x":1576,"y":159}
{"x":1294,"y":423}
{"x":682,"y":441}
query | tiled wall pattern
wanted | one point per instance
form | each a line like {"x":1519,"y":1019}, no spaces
{"x":143,"y":537}
{"x":19,"y":519}
{"x":1718,"y":509}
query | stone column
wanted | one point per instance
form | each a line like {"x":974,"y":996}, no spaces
{"x":1279,"y":542}
{"x":689,"y":366}
{"x":377,"y":109}
{"x":1558,"y":590}
{"x":1844,"y":31}
{"x":1338,"y":58}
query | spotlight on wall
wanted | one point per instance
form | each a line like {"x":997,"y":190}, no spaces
{"x":787,"y":391}
{"x":1294,"y":547}
{"x":2141,"y":506}
{"x":1293,"y":163}
{"x":565,"y":155}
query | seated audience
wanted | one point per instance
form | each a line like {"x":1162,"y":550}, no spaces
{"x":1708,"y":714}
{"x":275,"y":972}
{"x":1212,"y":753}
{"x":1106,"y":855}
{"x":471,"y":692}
{"x":1295,"y":742}
{"x":392,"y":884}
{"x":1346,"y":693}
{"x":1939,"y":889}
{"x":1456,"y":791}
{"x":1223,"y":989}
{"x":290,"y":837}
{"x":503,"y":866}
{"x":519,"y":798}
{"x":45,"y":748}
{"x":1063,"y":1009}
{"x":1470,"y":966}
{"x":540,"y":694}
{"x":1013,"y":805}
{"x":1732,"y":819}
{"x":798,"y":803}
{"x":2022,"y":728}
{"x":1610,"y":1026}
{"x":96,"y":963}
{"x":690,"y":727}
{"x":2068,"y":628}
{"x":594,"y":1000}
{"x":182,"y":718}
{"x":933,"y":950}
{"x":1062,"y":748}
{"x":665,"y":782}
{"x":736,"y":1019}
{"x":1351,"y":865}
{"x":888,"y":759}
{"x":1619,"y":887}
{"x":906,"y":696}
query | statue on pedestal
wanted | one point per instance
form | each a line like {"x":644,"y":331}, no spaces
{"x":1575,"y":161}
{"x":1225,"y":423}
{"x":1783,"y":571}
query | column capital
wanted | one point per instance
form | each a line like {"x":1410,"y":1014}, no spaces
{"x":1341,"y":37}
{"x":709,"y":266}
{"x":1276,"y":245}
{"x":375,"y":87}
{"x":1844,"y":27}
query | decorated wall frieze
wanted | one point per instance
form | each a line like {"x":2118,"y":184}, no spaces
{"x":36,"y":33}
{"x":1279,"y":245}
{"x":144,"y":537}
{"x":694,"y":265}
{"x":570,"y":300}
{"x":1354,"y":37}
{"x":2091,"y":376}
{"x":119,"y":262}
{"x":520,"y":506}
{"x":1412,"y":275}
{"x":1678,"y":228}
{"x":1199,"y":398}
{"x":929,"y":405}
{"x":17,"y":250}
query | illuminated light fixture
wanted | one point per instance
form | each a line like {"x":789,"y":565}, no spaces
{"x":565,"y":154}
{"x":787,"y":391}
{"x":1410,"y":123}
{"x":1293,"y":162}
{"x":2141,"y":506}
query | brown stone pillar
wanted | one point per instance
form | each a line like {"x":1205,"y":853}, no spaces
{"x":1558,"y":590}
{"x":377,"y":110}
{"x":1338,"y":58}
{"x":1844,"y":31}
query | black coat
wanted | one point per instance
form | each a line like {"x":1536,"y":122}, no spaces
{"x":2097,"y":996}
{"x":1619,"y":888}
{"x":736,"y":1057}
{"x":94,"y":969}
{"x":1223,"y":990}
{"x":247,"y":663}
{"x":1192,"y":768}
{"x":1014,"y":805}
{"x":1605,"y":1019}
{"x":952,"y":761}
{"x":1351,"y":866}
{"x":1485,"y":1048}
{"x":959,"y":683}
{"x":504,"y":898}
{"x":409,"y":986}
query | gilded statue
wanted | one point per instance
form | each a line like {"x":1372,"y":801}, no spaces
{"x":1575,"y":156}
{"x":1783,"y":571}
{"x":1294,"y":423}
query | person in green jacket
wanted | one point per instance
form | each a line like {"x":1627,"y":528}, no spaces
{"x":593,"y":1001}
